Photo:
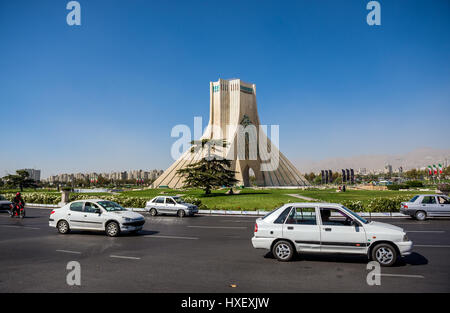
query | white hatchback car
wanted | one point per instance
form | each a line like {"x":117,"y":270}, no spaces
{"x":99,"y":215}
{"x":328,"y":228}
{"x":170,"y":205}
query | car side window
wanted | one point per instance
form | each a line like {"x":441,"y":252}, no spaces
{"x":76,"y":206}
{"x":160,"y":200}
{"x":303,"y":216}
{"x":282,"y":217}
{"x":90,"y":207}
{"x":334,"y":217}
{"x":170,"y":201}
{"x":443,"y":200}
{"x":429,"y":200}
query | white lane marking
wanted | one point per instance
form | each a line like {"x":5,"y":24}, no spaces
{"x":231,"y":221}
{"x":124,"y":257}
{"x":41,"y":208}
{"x":230,"y":215}
{"x":230,"y":227}
{"x":401,"y":275}
{"x":170,"y":237}
{"x":425,"y":231}
{"x":68,"y":251}
{"x":15,"y":226}
{"x":432,"y":246}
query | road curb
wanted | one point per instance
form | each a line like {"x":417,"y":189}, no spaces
{"x":238,"y":213}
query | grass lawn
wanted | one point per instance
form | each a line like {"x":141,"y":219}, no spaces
{"x":268,"y":199}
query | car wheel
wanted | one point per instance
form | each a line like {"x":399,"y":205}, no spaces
{"x":283,"y":251}
{"x":63,"y":227}
{"x":181,"y":213}
{"x":153,"y":212}
{"x":112,"y":229}
{"x":421,"y":216}
{"x":385,"y":254}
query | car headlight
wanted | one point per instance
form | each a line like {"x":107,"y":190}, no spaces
{"x":128,"y":219}
{"x":405,"y":237}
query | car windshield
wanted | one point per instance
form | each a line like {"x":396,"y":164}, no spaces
{"x":178,"y":199}
{"x":413,"y":199}
{"x":363,"y":220}
{"x":111,"y":206}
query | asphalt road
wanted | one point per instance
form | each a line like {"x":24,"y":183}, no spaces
{"x":203,"y":254}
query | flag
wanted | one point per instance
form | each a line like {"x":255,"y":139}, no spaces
{"x":440,"y":168}
{"x":430,"y":171}
{"x":435,"y":169}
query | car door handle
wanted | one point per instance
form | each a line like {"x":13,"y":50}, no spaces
{"x":290,"y":227}
{"x":327,"y":229}
{"x":85,"y":216}
{"x":68,"y":213}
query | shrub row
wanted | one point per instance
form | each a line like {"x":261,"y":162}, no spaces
{"x":444,"y":188}
{"x":373,"y":205}
{"x":376,"y":204}
{"x":129,"y":202}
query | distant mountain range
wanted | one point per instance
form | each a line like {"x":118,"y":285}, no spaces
{"x":418,"y":158}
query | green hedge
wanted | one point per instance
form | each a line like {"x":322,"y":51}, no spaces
{"x":376,"y":204}
{"x":397,"y":187}
{"x":444,"y":187}
{"x":373,"y":205}
{"x":129,"y":202}
{"x":414,"y":183}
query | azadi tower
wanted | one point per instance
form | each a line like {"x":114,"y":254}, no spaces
{"x":234,"y":118}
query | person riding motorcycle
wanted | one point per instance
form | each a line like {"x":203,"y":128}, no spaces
{"x":17,"y":203}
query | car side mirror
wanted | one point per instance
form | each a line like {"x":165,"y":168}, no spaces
{"x":98,"y":211}
{"x":355,"y":223}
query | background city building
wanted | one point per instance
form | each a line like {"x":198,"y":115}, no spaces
{"x":34,"y":174}
{"x":112,"y":176}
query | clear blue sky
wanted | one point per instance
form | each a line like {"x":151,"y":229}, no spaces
{"x":105,"y":95}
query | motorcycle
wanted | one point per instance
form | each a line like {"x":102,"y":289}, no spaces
{"x":17,"y":210}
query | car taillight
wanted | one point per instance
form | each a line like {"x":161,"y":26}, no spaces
{"x":52,"y":212}
{"x":256,"y":227}
{"x":405,"y":206}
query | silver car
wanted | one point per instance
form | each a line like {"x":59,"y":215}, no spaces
{"x":422,"y":206}
{"x":170,"y":205}
{"x":97,"y":215}
{"x":5,"y":204}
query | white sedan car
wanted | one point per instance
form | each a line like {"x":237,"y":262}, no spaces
{"x":328,"y":228}
{"x":170,"y":205}
{"x":97,"y":215}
